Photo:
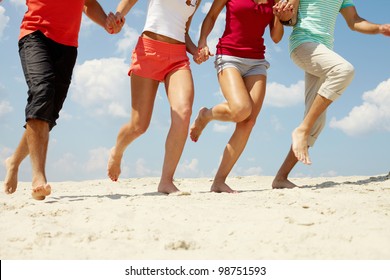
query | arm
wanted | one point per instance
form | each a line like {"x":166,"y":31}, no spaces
{"x":287,"y":11}
{"x":207,"y":26}
{"x":276,"y":29}
{"x":191,"y":47}
{"x":124,"y":7}
{"x":95,"y":12}
{"x":356,"y":23}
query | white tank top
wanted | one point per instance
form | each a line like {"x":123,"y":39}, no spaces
{"x":169,"y":17}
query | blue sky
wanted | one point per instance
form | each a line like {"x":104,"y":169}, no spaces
{"x":355,"y":140}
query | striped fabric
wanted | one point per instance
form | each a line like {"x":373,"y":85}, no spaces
{"x":316,"y":22}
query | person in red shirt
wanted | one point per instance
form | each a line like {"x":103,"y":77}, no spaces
{"x":48,"y":44}
{"x":242,"y":73}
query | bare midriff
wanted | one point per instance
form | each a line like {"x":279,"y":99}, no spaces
{"x":161,"y":38}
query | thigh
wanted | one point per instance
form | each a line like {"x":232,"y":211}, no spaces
{"x":37,"y":64}
{"x":233,"y":86}
{"x":64,"y":61}
{"x":316,"y":59}
{"x":256,"y":86}
{"x":143,"y":94}
{"x":179,"y":86}
{"x":38,"y":68}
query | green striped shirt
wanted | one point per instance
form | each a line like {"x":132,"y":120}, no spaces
{"x":316,"y":22}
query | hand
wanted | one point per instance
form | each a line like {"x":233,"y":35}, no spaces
{"x":114,"y":23}
{"x":283,"y":10}
{"x":202,"y":55}
{"x":384,"y":29}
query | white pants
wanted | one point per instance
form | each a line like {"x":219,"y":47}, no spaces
{"x":326,"y":74}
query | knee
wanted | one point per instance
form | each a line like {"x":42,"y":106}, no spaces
{"x":241,"y":112}
{"x":182,"y":115}
{"x":248,"y":123}
{"x":346,"y":71}
{"x":138,"y":128}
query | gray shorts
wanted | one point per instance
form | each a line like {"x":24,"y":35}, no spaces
{"x":246,"y":66}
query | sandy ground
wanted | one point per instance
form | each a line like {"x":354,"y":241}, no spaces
{"x":328,"y":218}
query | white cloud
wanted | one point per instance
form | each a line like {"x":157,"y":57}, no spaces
{"x":102,"y":86}
{"x":372,"y":115}
{"x":257,"y":170}
{"x":141,"y":169}
{"x":97,"y":160}
{"x":65,"y":115}
{"x":222,"y":128}
{"x":276,"y":123}
{"x":5,"y":108}
{"x":330,"y":173}
{"x":18,"y":2}
{"x":67,"y":164}
{"x":5,"y":152}
{"x":127,"y":43}
{"x":251,"y":171}
{"x":189,"y":167}
{"x":3,"y":21}
{"x":279,"y":95}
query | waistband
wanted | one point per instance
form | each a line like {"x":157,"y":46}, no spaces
{"x":162,"y":47}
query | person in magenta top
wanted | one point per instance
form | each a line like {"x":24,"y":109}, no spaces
{"x":48,"y":44}
{"x":242,"y":73}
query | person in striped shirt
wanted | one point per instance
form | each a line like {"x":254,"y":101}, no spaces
{"x":327,"y":74}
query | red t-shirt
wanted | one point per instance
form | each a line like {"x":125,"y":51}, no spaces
{"x":59,"y":20}
{"x":246,"y":22}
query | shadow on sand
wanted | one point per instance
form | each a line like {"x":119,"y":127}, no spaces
{"x":331,"y":184}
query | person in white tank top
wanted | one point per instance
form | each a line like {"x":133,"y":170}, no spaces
{"x":164,"y":39}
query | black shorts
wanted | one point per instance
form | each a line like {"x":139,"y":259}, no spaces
{"x":47,"y":68}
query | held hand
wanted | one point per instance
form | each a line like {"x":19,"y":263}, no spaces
{"x":283,"y":10}
{"x":384,"y":29}
{"x":204,"y":53}
{"x":114,"y":23}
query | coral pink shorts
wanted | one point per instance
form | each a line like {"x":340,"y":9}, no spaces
{"x":155,"y":59}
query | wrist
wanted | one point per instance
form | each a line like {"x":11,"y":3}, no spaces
{"x":286,"y":22}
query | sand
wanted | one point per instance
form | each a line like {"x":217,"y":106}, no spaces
{"x":332,"y":218}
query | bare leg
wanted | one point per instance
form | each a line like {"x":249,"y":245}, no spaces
{"x":237,"y":109}
{"x":143,"y":93}
{"x":12,"y":165}
{"x":301,"y":133}
{"x":232,"y":152}
{"x":255,"y":86}
{"x":203,"y":118}
{"x":281,"y":179}
{"x":37,"y":135}
{"x":180,"y":92}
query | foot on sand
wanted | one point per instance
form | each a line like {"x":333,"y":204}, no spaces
{"x":221,"y":187}
{"x":114,"y":166}
{"x":167,"y":188}
{"x":11,"y":177}
{"x":40,"y":193}
{"x":199,"y":124}
{"x":300,"y":147}
{"x":283,"y":184}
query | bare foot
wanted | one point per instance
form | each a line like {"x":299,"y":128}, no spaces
{"x":11,"y":177}
{"x":40,"y":193}
{"x":167,"y":188}
{"x":114,"y":166}
{"x":280,"y":183}
{"x":221,"y":187}
{"x":300,"y":147}
{"x":199,"y":124}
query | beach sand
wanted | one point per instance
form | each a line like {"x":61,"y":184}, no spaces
{"x":332,"y":218}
